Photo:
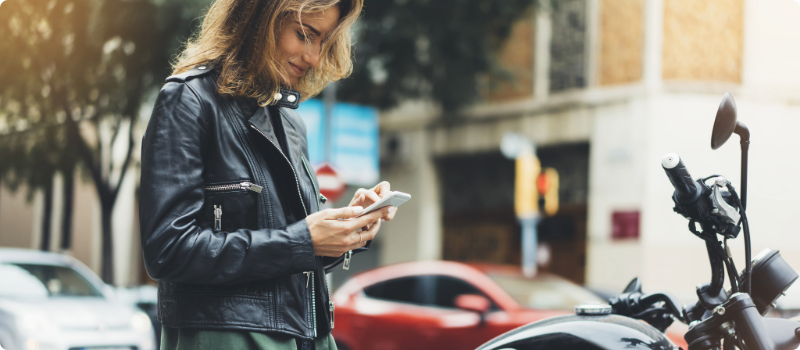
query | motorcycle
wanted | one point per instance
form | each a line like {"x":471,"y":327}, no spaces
{"x":720,"y":319}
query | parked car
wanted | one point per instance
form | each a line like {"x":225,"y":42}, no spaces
{"x":144,"y":297}
{"x":52,"y":301}
{"x":446,"y":305}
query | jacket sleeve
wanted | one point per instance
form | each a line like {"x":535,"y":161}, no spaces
{"x":176,"y":248}
{"x":331,"y":263}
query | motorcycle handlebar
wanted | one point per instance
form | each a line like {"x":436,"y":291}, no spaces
{"x":685,"y":187}
{"x":749,"y":323}
{"x":670,"y":304}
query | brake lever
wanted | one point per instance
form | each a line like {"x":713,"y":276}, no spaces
{"x":670,"y":303}
{"x":657,"y":317}
{"x":721,"y":207}
{"x":640,"y":306}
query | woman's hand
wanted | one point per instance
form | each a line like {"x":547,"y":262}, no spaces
{"x":336,"y":231}
{"x":365,"y":197}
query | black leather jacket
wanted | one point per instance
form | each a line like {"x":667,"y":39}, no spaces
{"x":222,"y":214}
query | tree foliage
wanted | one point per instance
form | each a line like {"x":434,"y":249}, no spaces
{"x":75,"y":74}
{"x":432,"y":49}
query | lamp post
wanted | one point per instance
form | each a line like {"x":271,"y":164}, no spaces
{"x":526,"y":198}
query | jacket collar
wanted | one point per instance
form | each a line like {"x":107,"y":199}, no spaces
{"x":284,"y":98}
{"x":287,"y":98}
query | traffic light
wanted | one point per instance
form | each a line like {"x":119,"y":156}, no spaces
{"x":525,"y":196}
{"x":547,"y":185}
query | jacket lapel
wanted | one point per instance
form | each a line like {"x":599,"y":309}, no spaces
{"x":261,"y":121}
{"x":293,"y":137}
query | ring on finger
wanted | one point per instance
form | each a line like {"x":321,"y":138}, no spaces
{"x":360,"y":238}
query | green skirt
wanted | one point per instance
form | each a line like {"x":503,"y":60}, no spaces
{"x":200,"y":339}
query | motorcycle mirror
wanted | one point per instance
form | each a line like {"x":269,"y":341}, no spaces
{"x":725,"y":123}
{"x":634,"y":286}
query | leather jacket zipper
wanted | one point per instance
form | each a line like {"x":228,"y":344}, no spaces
{"x":309,"y":274}
{"x":248,"y":186}
{"x":310,"y":279}
{"x":237,"y":186}
{"x":348,"y":254}
{"x":217,"y":218}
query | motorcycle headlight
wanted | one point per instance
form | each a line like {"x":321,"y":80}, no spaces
{"x":141,"y":322}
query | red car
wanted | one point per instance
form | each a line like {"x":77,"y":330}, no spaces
{"x":445,"y":305}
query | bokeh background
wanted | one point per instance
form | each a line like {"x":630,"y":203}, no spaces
{"x":604,"y":88}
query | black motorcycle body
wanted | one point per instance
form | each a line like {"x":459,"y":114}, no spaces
{"x":574,"y":332}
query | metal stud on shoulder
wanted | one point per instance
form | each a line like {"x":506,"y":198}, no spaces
{"x":278,"y":96}
{"x":202,"y":67}
{"x":291,"y":98}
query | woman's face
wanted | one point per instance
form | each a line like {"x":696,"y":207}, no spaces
{"x":299,"y":44}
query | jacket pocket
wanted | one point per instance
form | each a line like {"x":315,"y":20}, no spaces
{"x":230,"y":206}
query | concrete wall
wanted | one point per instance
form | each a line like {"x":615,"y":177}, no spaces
{"x":771,"y":51}
{"x":16,"y":218}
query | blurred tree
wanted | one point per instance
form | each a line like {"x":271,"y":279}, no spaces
{"x":431,"y":49}
{"x":75,"y":74}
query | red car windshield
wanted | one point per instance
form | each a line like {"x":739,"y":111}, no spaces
{"x":545,"y":292}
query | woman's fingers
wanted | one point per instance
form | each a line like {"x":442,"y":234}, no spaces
{"x":367,"y":219}
{"x":335,"y":231}
{"x":390,"y":214}
{"x":360,"y":239}
{"x":373,"y":230}
{"x":358,"y":199}
{"x":343,"y":213}
{"x":382,"y":189}
{"x":369,"y":196}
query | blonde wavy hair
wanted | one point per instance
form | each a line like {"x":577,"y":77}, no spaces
{"x":239,"y":37}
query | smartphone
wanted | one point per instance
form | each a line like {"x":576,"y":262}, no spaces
{"x":394,"y":198}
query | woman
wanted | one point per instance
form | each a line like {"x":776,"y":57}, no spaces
{"x":229,"y":207}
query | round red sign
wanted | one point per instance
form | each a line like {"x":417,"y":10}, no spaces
{"x":330,"y":185}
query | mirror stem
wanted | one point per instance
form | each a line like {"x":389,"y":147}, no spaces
{"x":744,"y":137}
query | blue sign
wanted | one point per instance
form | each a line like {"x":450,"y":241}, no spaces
{"x":354,"y":140}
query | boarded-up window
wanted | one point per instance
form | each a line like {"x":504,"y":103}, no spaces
{"x":568,"y":45}
{"x":703,"y":40}
{"x":621,"y":41}
{"x":512,"y":74}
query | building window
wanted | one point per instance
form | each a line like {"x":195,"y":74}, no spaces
{"x":568,"y":45}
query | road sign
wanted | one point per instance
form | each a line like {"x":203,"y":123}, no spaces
{"x":330,"y":184}
{"x":354,"y":140}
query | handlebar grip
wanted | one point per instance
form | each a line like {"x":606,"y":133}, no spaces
{"x":676,"y":171}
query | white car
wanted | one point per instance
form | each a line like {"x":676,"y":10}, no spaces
{"x":52,"y":301}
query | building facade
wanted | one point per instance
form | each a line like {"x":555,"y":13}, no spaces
{"x":605,"y":88}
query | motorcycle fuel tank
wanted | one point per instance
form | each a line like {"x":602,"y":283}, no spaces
{"x":606,"y":332}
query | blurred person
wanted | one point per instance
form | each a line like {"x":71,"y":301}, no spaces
{"x":229,"y":207}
